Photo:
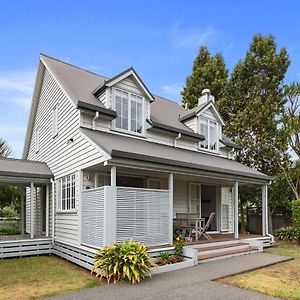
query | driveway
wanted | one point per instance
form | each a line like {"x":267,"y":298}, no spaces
{"x":191,"y":283}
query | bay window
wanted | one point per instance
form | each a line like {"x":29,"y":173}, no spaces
{"x":209,"y":129}
{"x":129,"y":108}
{"x":66,"y":193}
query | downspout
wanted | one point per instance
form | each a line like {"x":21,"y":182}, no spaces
{"x":53,"y":211}
{"x":94,"y":120}
{"x":177,"y":138}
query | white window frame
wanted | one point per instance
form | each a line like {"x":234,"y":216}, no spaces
{"x":208,"y":134}
{"x":37,"y":139}
{"x":68,"y":203}
{"x":55,"y":121}
{"x":129,"y":112}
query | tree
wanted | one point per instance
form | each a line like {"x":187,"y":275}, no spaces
{"x":208,"y":72}
{"x":291,"y":116}
{"x":291,"y":172}
{"x":255,"y":100}
{"x":4,"y":148}
{"x":254,"y":103}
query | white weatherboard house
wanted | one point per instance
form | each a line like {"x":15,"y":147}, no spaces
{"x":105,"y":161}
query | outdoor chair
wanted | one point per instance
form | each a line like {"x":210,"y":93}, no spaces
{"x":202,"y":231}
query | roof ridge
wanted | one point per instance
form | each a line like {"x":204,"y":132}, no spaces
{"x":69,"y":64}
{"x":22,"y":159}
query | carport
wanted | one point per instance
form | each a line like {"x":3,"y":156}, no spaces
{"x":28,"y":176}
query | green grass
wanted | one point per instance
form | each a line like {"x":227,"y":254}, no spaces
{"x":41,"y":276}
{"x":280,"y":280}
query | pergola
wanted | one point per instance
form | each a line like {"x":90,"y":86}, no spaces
{"x":27,"y":174}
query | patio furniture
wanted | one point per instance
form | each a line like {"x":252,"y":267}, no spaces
{"x":202,"y":231}
{"x":187,"y":223}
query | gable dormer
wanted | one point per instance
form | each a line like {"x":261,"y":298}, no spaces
{"x":205,"y":120}
{"x":130,"y":98}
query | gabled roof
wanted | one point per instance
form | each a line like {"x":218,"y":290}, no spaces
{"x":112,"y":81}
{"x":120,"y":146}
{"x":201,"y":108}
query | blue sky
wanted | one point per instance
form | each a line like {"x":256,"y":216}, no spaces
{"x":159,"y":38}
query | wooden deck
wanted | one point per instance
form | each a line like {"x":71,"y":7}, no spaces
{"x":217,"y":237}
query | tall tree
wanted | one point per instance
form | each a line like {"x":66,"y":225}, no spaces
{"x":4,"y":148}
{"x":208,"y":72}
{"x":291,"y":116}
{"x":255,"y":100}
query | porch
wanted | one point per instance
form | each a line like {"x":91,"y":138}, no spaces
{"x":33,"y":179}
{"x":121,"y":203}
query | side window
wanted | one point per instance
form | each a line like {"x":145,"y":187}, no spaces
{"x":37,"y":139}
{"x":66,"y":193}
{"x":55,"y":121}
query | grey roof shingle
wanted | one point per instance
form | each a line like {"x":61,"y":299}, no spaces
{"x":24,"y":168}
{"x":123,"y":146}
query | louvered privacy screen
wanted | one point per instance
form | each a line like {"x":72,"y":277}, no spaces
{"x":143,"y":215}
{"x":93,"y":217}
{"x":225,"y":208}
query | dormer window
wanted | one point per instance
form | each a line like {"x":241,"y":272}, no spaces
{"x":209,"y":129}
{"x":129,"y":108}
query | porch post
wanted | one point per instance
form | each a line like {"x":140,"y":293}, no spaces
{"x":47,"y":210}
{"x":265,"y":230}
{"x":22,"y":211}
{"x":32,"y":189}
{"x":110,"y":209}
{"x":171,"y":184}
{"x":236,"y":210}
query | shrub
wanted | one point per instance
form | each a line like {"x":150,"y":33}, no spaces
{"x":180,"y":241}
{"x":9,"y":231}
{"x":128,"y":260}
{"x":165,"y":258}
{"x":287,"y":234}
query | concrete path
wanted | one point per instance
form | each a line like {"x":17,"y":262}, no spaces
{"x":191,"y":283}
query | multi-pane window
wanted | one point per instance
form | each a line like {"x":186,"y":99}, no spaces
{"x":209,"y":129}
{"x":66,"y":193}
{"x":55,"y":121}
{"x":129,"y":108}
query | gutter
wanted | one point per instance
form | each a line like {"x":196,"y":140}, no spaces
{"x":95,"y":108}
{"x":176,"y":139}
{"x":94,"y":120}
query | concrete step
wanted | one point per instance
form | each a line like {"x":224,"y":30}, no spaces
{"x":221,"y":248}
{"x":226,"y":254}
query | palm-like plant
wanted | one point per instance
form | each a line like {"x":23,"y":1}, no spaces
{"x":5,"y":150}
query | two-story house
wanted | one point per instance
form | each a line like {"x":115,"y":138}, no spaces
{"x":126,"y":161}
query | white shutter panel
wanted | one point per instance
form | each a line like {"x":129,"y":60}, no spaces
{"x":92,"y":220}
{"x":225,"y":208}
{"x":143,"y":215}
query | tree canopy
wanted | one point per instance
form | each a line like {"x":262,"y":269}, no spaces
{"x":4,"y":148}
{"x":208,"y":72}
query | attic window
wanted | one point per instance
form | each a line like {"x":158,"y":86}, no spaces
{"x":129,"y":108}
{"x":209,"y":129}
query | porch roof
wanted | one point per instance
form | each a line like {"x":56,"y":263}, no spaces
{"x":14,"y":170}
{"x":119,"y":146}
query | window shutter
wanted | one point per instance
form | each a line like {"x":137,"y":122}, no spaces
{"x":225,"y":208}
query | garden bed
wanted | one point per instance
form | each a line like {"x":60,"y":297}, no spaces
{"x":186,"y":263}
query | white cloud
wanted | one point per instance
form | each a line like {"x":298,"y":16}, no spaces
{"x":192,"y":38}
{"x":173,"y":89}
{"x":17,"y":87}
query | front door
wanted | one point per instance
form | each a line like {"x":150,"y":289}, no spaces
{"x":195,"y":198}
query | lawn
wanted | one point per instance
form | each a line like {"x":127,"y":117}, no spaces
{"x":281,"y":280}
{"x":41,"y":276}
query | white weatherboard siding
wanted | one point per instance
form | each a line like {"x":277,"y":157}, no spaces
{"x":62,"y":156}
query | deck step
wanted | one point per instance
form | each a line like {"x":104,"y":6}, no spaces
{"x":221,"y":247}
{"x":226,"y":253}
